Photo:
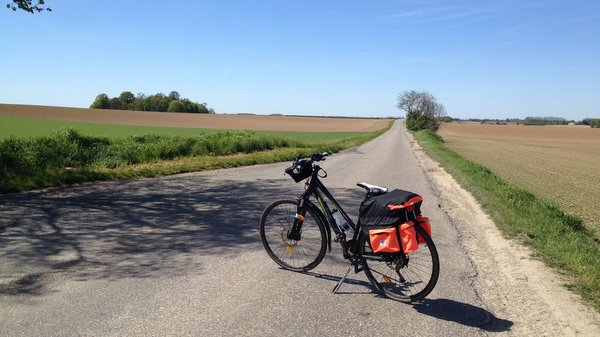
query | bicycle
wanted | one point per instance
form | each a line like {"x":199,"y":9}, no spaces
{"x":297,"y":233}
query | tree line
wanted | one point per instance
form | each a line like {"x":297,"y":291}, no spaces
{"x":157,"y":102}
{"x":545,"y":121}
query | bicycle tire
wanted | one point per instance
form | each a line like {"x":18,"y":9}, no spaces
{"x":302,"y":255}
{"x":420,"y":273}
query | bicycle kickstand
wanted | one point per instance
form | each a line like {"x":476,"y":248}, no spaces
{"x":339,"y":285}
{"x":354,"y":263}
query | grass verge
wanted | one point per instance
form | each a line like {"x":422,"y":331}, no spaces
{"x":67,"y":157}
{"x":557,"y":238}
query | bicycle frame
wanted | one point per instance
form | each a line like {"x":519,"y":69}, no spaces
{"x":324,"y":198}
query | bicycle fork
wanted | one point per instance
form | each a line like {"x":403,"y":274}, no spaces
{"x":296,"y":232}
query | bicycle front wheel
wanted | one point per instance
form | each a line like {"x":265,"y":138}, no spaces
{"x":406,"y":278}
{"x":297,"y":255}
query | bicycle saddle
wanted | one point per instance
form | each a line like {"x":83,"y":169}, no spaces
{"x":372,"y":189}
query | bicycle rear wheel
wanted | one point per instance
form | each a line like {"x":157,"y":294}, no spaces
{"x":297,"y":255}
{"x":405,"y":279}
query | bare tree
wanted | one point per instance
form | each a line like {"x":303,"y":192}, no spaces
{"x":422,"y":110}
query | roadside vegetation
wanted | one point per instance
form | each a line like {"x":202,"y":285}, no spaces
{"x":68,"y":157}
{"x":557,"y":238}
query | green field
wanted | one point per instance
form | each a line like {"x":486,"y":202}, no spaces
{"x":42,"y":153}
{"x":30,"y":127}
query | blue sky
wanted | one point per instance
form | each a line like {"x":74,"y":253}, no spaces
{"x":480,"y":59}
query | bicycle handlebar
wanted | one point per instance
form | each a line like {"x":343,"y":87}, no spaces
{"x":304,"y":168}
{"x":319,"y":156}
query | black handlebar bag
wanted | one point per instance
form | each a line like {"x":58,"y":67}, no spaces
{"x":300,"y":170}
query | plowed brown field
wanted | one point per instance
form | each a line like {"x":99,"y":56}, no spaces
{"x":187,"y":120}
{"x":561,"y":163}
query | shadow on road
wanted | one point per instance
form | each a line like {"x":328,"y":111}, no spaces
{"x":463,"y":313}
{"x":444,"y":309}
{"x":368,"y":287}
{"x":133,"y":229}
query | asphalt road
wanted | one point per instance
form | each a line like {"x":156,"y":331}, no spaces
{"x":181,"y":256}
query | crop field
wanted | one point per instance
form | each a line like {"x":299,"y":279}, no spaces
{"x":52,"y":146}
{"x":189,"y":120}
{"x":560,"y":163}
{"x":35,"y":127}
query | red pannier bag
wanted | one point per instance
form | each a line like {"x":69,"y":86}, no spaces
{"x":385,"y":240}
{"x":388,"y":220}
{"x":408,"y":236}
{"x":424,"y":222}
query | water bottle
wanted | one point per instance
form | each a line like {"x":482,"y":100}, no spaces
{"x":342,"y":223}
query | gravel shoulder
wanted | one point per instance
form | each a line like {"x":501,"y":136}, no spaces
{"x":509,"y":280}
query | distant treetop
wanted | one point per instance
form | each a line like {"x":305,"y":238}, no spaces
{"x":157,"y":102}
{"x":28,"y":6}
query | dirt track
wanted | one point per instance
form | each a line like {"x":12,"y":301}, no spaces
{"x":188,"y":120}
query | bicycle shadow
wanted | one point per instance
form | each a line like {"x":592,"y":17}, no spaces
{"x":462,"y":313}
{"x":368,"y":288}
{"x":444,"y":309}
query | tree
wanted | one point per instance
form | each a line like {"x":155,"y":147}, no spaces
{"x":115,"y":103}
{"x":138,"y":103}
{"x":204,"y":110}
{"x":28,"y":6}
{"x":174,"y":95}
{"x":126,"y":98}
{"x":154,"y":101}
{"x":176,"y":106}
{"x":163,"y":105}
{"x":422,"y":110}
{"x":101,"y":102}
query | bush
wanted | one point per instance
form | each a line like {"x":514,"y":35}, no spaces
{"x":416,"y":122}
{"x":592,"y":122}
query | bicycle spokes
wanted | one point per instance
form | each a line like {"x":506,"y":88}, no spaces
{"x":293,"y":244}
